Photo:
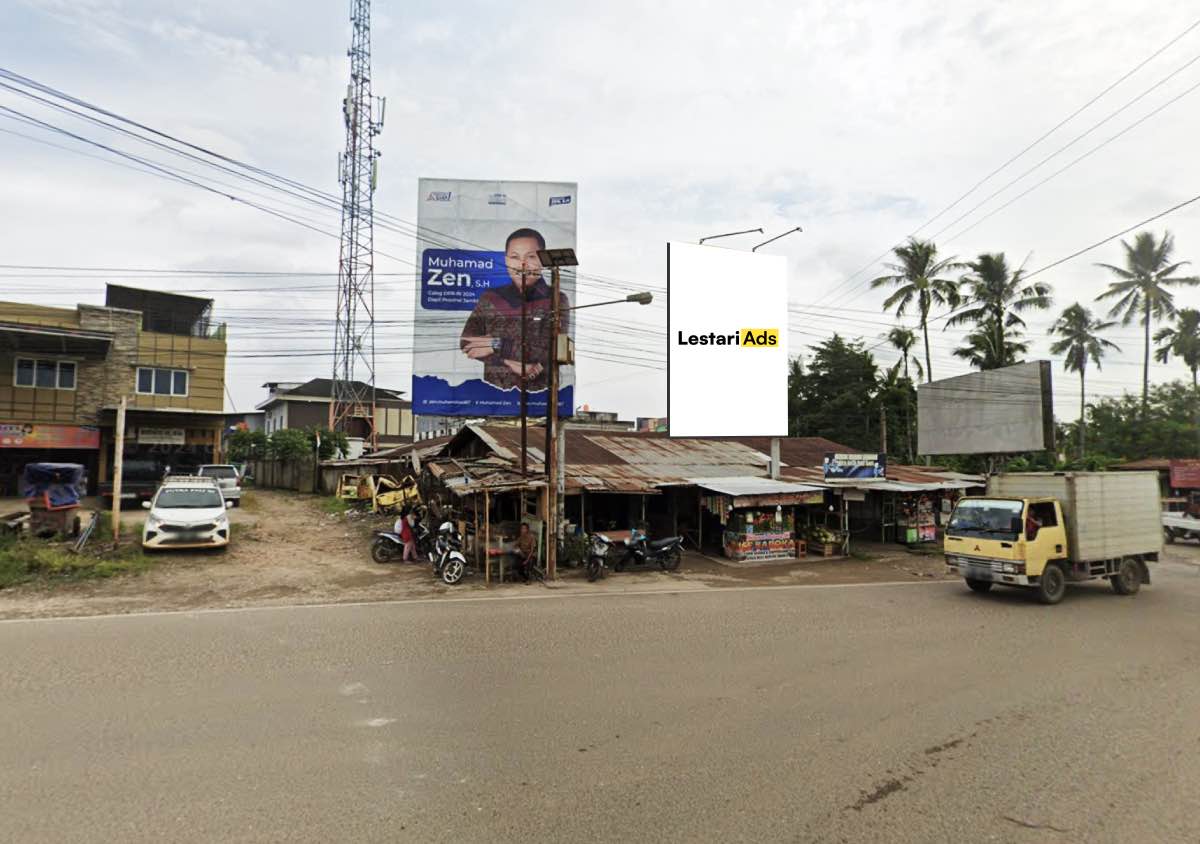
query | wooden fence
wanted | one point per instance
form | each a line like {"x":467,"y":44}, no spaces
{"x":299,"y":475}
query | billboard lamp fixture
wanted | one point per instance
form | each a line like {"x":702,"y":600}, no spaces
{"x":643,"y":298}
{"x":728,"y":234}
{"x":777,"y":237}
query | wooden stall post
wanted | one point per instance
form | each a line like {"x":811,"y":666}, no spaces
{"x":487,"y":540}
{"x":475,"y":522}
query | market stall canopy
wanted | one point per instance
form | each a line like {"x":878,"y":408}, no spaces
{"x":752,"y":491}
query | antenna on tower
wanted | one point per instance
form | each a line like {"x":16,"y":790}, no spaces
{"x":352,"y":409}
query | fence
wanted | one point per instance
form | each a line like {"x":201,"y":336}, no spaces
{"x":299,"y":475}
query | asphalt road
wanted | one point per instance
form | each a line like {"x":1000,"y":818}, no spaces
{"x":859,"y":713}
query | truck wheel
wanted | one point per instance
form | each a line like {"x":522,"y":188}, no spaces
{"x":1128,"y":579}
{"x":1052,"y":585}
{"x":1169,"y":535}
{"x":978,"y":585}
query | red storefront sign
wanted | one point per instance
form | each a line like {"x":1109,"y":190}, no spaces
{"x":37,"y":435}
{"x":1185,"y":474}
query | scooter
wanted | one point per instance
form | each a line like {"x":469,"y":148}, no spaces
{"x":448,"y":561}
{"x":597,"y":557}
{"x":640,"y":550}
{"x":388,"y":546}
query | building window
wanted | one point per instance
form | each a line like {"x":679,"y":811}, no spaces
{"x":44,"y":374}
{"x":162,"y":382}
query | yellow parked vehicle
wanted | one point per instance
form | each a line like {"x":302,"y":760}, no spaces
{"x":1043,"y":530}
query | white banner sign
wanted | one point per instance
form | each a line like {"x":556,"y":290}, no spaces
{"x":161,"y":436}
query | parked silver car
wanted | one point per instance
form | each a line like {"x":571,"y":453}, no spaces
{"x":228,"y":477}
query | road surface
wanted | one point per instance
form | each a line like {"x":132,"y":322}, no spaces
{"x":916,"y":712}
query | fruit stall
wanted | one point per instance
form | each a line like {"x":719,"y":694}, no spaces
{"x":760,"y":519}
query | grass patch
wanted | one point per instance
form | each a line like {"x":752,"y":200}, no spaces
{"x":337,"y":506}
{"x":24,"y":560}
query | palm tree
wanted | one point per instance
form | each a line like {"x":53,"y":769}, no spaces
{"x":1078,"y":332}
{"x":998,"y":296}
{"x":1142,"y":288}
{"x":1183,"y":341}
{"x":919,"y":278}
{"x":903,"y":339}
{"x":982,"y":352}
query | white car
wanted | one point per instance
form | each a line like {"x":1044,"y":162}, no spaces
{"x":187,"y":512}
{"x":227,"y":475}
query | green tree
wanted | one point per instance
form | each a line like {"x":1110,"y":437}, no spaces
{"x":1121,"y":428}
{"x":1183,"y":341}
{"x":331,"y":442}
{"x":981,"y":350}
{"x":920,"y":279}
{"x":1080,"y":341}
{"x":245,"y":445}
{"x":903,"y":339}
{"x":833,"y":395}
{"x":996,"y":299}
{"x":290,"y":444}
{"x":1141,"y":288}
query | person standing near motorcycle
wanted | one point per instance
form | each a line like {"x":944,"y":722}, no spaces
{"x":408,"y":537}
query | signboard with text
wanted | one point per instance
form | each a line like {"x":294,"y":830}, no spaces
{"x":1185,"y":474}
{"x":161,"y":436}
{"x":38,"y":435}
{"x":857,"y":466}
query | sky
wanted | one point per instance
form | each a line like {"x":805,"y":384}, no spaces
{"x":857,"y":121}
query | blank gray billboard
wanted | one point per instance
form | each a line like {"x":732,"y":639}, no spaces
{"x":1001,"y":411}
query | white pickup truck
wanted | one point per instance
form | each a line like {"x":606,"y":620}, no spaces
{"x":1180,"y":526}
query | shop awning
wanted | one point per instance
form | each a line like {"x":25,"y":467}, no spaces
{"x":752,"y":491}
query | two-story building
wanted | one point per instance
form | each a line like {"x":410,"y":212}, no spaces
{"x":64,"y":371}
{"x":306,"y":405}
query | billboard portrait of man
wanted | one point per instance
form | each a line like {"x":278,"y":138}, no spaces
{"x":492,"y":333}
{"x":477,"y":265}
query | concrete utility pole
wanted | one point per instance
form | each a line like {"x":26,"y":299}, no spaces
{"x":882,"y":429}
{"x":552,"y":431}
{"x":118,"y":467}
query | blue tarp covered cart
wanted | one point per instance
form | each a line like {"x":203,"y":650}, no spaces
{"x":53,"y":491}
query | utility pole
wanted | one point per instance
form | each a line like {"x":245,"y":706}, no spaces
{"x":118,"y":468}
{"x":882,"y":428}
{"x":358,"y":173}
{"x":551,"y":430}
{"x":524,"y":384}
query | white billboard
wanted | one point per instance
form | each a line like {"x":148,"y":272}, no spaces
{"x":999,"y":411}
{"x":477,"y":259}
{"x":727,"y":359}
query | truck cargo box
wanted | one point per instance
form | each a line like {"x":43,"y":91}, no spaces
{"x":1108,"y":514}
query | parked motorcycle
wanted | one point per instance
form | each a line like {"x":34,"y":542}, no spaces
{"x":599,"y":546}
{"x":448,"y":561}
{"x":641,"y":550}
{"x":387,"y":546}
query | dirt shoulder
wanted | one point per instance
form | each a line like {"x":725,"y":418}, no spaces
{"x":288,"y":549}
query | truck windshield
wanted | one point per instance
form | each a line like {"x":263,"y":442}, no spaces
{"x":987,"y":518}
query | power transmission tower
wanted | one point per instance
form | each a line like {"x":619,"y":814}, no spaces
{"x":358,"y":172}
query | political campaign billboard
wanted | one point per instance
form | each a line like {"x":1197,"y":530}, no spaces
{"x":727,"y":332}
{"x":478,"y":269}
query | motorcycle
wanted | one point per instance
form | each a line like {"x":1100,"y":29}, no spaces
{"x":448,"y":561}
{"x":640,"y":550}
{"x":599,"y":546}
{"x":387,"y":546}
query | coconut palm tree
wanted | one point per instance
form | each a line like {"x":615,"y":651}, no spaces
{"x":1142,"y":288}
{"x":1080,"y":341}
{"x":997,"y":296}
{"x":903,"y":339}
{"x":982,"y":352}
{"x":1183,"y":341}
{"x":920,"y":279}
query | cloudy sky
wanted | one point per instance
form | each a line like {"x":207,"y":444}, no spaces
{"x":858,"y":121}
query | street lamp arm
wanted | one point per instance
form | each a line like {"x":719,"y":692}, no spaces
{"x":643,"y":298}
{"x":776,"y":237}
{"x":727,"y":234}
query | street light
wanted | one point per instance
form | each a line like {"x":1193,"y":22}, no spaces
{"x":643,"y":298}
{"x":727,"y":234}
{"x":777,"y":237}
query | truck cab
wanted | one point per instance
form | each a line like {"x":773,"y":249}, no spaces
{"x":1024,"y":542}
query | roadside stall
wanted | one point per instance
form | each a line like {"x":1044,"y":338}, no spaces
{"x":53,"y":491}
{"x":761,"y":519}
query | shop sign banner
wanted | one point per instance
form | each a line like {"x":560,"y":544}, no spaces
{"x":858,"y":466}
{"x":727,"y":332}
{"x":161,"y":436}
{"x":1185,"y":474}
{"x":477,"y":246}
{"x":34,"y":435}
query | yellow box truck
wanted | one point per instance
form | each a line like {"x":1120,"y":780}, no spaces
{"x":1043,"y":530}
